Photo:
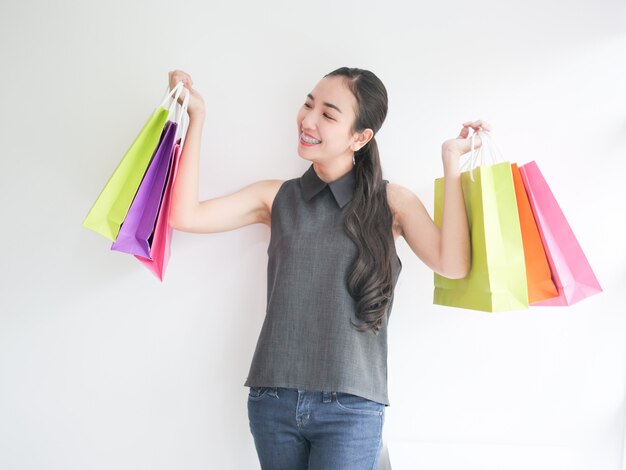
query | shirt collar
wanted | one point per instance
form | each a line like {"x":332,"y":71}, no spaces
{"x":342,"y":188}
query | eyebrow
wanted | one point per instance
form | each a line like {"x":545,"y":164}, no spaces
{"x":330,"y":105}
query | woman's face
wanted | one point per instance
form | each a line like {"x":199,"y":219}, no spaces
{"x":327,"y":116}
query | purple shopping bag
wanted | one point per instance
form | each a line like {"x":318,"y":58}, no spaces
{"x":162,"y":238}
{"x":571,"y":272}
{"x":139,"y":223}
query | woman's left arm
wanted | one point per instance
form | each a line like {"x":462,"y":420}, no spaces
{"x":445,"y":250}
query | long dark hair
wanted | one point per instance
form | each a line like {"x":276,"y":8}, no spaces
{"x":368,"y":219}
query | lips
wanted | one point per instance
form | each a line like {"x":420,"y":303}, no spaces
{"x":310,"y":136}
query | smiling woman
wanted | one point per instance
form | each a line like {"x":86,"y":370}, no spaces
{"x":318,"y":377}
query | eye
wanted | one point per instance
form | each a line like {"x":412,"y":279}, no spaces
{"x":327,"y":116}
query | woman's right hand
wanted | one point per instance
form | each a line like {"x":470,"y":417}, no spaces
{"x":196,"y":103}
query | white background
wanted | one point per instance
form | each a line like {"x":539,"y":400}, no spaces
{"x":103,"y":367}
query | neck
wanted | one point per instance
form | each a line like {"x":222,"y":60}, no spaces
{"x":331,"y":171}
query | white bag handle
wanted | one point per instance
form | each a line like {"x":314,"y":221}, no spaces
{"x":181,"y":112}
{"x":179,"y":89}
{"x":168,"y":94}
{"x":487,"y":142}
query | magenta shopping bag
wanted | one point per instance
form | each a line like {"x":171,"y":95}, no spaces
{"x":139,"y":222}
{"x":571,"y":272}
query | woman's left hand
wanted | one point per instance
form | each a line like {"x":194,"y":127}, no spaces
{"x":461,"y":145}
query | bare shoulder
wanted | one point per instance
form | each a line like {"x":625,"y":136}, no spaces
{"x":398,"y":198}
{"x":270,"y":189}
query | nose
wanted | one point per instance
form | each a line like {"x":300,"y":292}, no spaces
{"x":309,"y":122}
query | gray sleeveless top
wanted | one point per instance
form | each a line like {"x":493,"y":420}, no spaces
{"x":307,"y":340}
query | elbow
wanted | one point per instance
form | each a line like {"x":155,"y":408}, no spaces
{"x":456,"y":274}
{"x":457,"y":270}
{"x":176,"y":226}
{"x":176,"y":223}
{"x":463,"y":270}
{"x":180,"y":215}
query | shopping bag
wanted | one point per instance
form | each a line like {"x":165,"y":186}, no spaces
{"x":570,"y":269}
{"x":160,"y":245}
{"x":538,"y":276}
{"x":497,"y":278}
{"x":110,"y":208}
{"x":139,"y":222}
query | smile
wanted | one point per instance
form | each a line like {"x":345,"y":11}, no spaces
{"x":308,"y":140}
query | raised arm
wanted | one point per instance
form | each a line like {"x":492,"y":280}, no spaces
{"x":445,"y":250}
{"x":251,"y":204}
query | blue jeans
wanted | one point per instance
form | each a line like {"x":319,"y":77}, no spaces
{"x":297,"y":429}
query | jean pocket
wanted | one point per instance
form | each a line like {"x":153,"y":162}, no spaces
{"x":256,"y":393}
{"x":356,"y":404}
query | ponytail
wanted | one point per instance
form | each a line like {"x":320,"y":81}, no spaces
{"x":368,"y":222}
{"x":368,"y":219}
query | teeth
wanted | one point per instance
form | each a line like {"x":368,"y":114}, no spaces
{"x":309,"y":141}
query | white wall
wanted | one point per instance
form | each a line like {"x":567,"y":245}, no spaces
{"x":103,"y":367}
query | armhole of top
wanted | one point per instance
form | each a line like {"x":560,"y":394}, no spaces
{"x":280,"y":189}
{"x":397,"y":257}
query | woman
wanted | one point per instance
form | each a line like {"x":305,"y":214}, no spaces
{"x":318,"y":378}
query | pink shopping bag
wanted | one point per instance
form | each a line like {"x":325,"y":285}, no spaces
{"x":571,"y":272}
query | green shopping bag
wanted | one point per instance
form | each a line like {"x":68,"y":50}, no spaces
{"x":111,"y":206}
{"x":497,"y":278}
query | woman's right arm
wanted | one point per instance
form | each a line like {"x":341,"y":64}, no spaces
{"x":250,"y":205}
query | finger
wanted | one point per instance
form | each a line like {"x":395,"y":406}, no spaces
{"x":179,"y":75}
{"x":479,"y":124}
{"x":187,"y":81}
{"x":477,"y":128}
{"x":184,"y":81}
{"x":175,"y":77}
{"x":473,"y":127}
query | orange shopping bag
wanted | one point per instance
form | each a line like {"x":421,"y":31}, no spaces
{"x":538,"y":276}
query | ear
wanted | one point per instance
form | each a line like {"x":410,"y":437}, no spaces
{"x":362,"y":139}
